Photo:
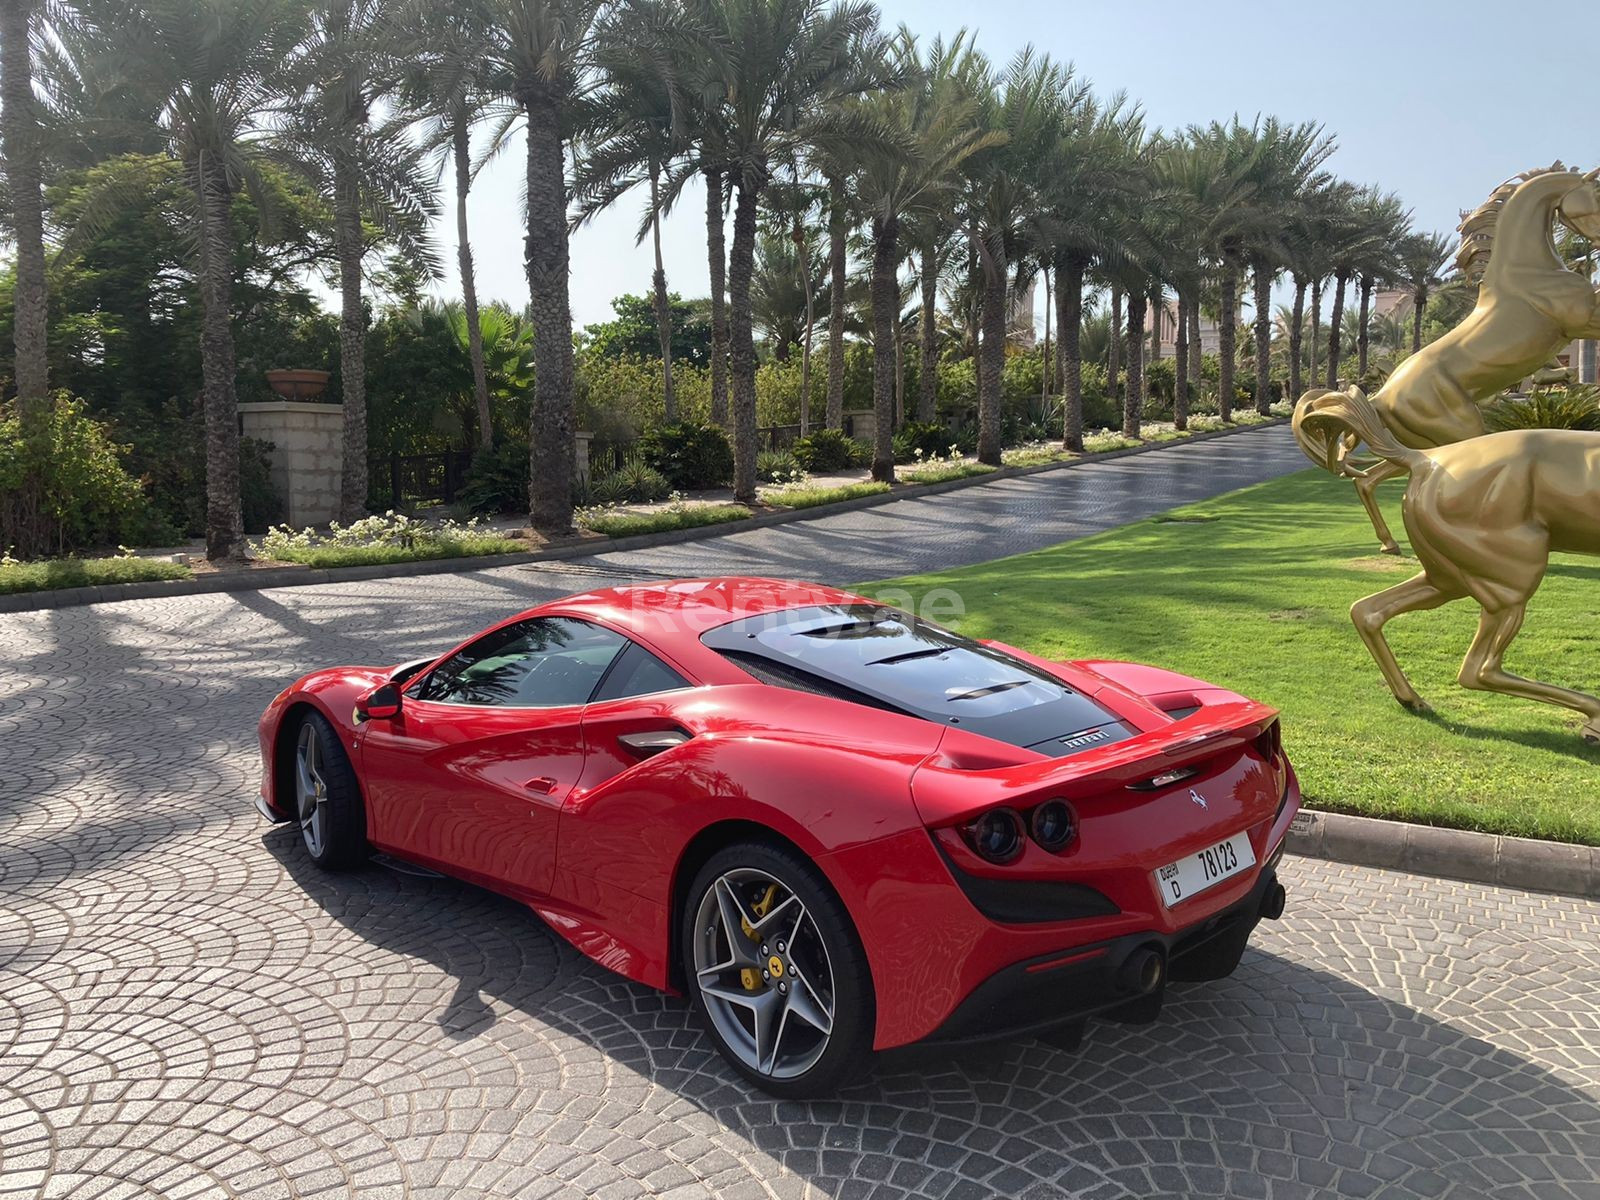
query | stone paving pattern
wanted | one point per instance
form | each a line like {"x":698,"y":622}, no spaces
{"x":189,"y":1009}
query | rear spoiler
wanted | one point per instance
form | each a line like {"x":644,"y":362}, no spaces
{"x":948,"y":791}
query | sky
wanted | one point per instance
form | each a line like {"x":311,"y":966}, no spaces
{"x":1438,"y":100}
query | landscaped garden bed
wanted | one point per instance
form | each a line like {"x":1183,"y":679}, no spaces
{"x":1252,"y":591}
{"x":52,"y":573}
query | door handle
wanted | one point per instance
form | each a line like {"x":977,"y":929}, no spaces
{"x":542,"y":784}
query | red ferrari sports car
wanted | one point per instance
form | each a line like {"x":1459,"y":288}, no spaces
{"x":836,"y":827}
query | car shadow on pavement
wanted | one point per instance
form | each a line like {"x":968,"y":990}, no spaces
{"x":1285,"y":1080}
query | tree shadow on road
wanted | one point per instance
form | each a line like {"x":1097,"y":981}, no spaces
{"x":1283,"y":1080}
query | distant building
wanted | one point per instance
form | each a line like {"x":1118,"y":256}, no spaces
{"x":1167,"y":333}
{"x":1021,"y":331}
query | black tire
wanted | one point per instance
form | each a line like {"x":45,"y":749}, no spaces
{"x":336,"y":839}
{"x":847,"y":1047}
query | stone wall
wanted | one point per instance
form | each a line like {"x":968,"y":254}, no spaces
{"x":306,"y":454}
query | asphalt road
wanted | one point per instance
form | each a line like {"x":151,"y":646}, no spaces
{"x":189,"y":1009}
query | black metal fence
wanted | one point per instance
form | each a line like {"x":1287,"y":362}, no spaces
{"x":609,"y":454}
{"x":404,"y":480}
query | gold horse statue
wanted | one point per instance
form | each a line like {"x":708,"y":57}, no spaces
{"x":1484,"y":515}
{"x":1530,"y":305}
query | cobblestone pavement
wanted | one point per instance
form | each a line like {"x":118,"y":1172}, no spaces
{"x":189,"y":1009}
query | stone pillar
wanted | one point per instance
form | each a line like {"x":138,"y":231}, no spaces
{"x":1585,"y":361}
{"x":862,"y":424}
{"x":307,"y":454}
{"x":582,"y":455}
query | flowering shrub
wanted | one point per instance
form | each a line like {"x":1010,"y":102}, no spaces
{"x":393,"y":537}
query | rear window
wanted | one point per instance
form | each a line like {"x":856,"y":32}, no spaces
{"x":888,"y":659}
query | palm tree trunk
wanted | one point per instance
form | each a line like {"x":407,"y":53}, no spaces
{"x":224,"y":531}
{"x":741,"y":342}
{"x":1334,"y":320}
{"x":1157,"y":295}
{"x":1316,"y":325}
{"x":837,"y":232}
{"x":885,"y":314}
{"x":20,"y":137}
{"x":1296,"y":337}
{"x":352,"y":334}
{"x":461,"y":134}
{"x":1114,"y":349}
{"x":1069,"y":349}
{"x":991,"y":353}
{"x":1197,"y":360}
{"x":1227,"y":334}
{"x":1180,"y":367}
{"x":551,"y":447}
{"x":1362,"y":337}
{"x":1133,"y":403}
{"x":1263,"y":304}
{"x":804,"y":260}
{"x":1418,"y":302}
{"x":663,"y":302}
{"x":717,"y":259}
{"x":928,"y":374}
{"x":1049,"y":319}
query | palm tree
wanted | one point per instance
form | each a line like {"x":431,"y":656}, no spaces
{"x":775,"y":72}
{"x":373,"y":176}
{"x":1379,"y":260}
{"x":1093,"y":170}
{"x":539,"y":54}
{"x":841,"y":219}
{"x":635,"y":128}
{"x":1286,"y":171}
{"x":217,"y":70}
{"x":1422,"y":260}
{"x":1362,"y":227}
{"x":445,"y":47}
{"x":934,"y":128}
{"x":20,"y":136}
{"x":1027,"y":110}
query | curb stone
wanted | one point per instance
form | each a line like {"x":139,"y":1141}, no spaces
{"x":1492,"y":858}
{"x":297,"y":576}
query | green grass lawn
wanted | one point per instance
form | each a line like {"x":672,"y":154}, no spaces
{"x":84,"y":572}
{"x":1252,"y":591}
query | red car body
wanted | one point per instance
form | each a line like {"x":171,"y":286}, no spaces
{"x":550,"y":807}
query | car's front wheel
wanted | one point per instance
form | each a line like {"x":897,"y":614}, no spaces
{"x":327,"y":798}
{"x":774,"y":965}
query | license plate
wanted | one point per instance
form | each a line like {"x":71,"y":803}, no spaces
{"x":1189,"y":876}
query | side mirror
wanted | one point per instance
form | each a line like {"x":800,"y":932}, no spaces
{"x":380,"y":704}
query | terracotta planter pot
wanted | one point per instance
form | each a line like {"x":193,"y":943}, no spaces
{"x":297,"y":384}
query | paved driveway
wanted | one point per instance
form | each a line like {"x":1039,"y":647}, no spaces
{"x":188,"y":1009}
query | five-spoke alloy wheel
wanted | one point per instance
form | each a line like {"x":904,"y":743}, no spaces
{"x":774,"y":964}
{"x":327,"y":798}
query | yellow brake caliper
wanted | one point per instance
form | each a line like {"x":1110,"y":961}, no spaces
{"x":751,"y":976}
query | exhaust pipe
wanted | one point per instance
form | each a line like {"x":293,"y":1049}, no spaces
{"x":1272,"y":901}
{"x":1141,"y":972}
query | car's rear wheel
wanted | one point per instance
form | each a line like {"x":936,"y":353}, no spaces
{"x":327,"y":798}
{"x":774,"y":965}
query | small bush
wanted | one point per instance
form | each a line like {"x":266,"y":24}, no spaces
{"x":678,"y":516}
{"x":809,"y":497}
{"x":921,"y":439}
{"x":779,"y":466}
{"x":81,"y":494}
{"x":635,"y":482}
{"x":1574,"y":407}
{"x":390,"y":538}
{"x":692,"y":457}
{"x":497,"y":480}
{"x":827,"y":450}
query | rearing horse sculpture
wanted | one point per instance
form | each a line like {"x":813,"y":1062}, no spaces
{"x":1529,"y":306}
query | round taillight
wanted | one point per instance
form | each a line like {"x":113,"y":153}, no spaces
{"x":1053,"y":824}
{"x":997,"y":835}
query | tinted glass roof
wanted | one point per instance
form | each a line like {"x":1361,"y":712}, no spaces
{"x":890,"y":658}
